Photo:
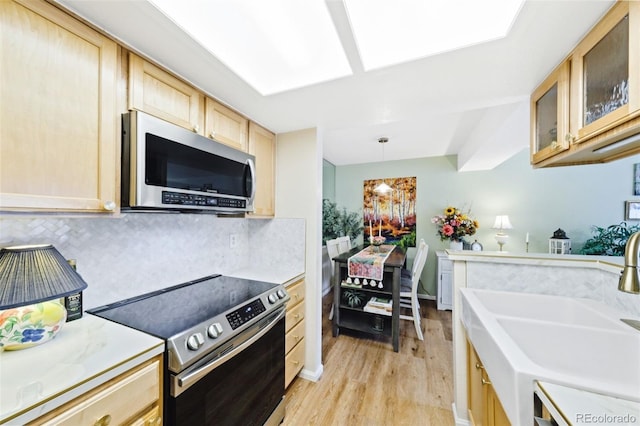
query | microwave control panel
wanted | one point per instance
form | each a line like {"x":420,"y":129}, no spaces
{"x":178,"y":198}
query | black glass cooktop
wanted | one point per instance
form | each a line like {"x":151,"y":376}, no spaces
{"x":165,"y":313}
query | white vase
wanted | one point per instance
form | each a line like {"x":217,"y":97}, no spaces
{"x":455,"y":245}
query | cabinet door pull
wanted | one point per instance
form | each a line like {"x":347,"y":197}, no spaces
{"x":485,"y":381}
{"x":103,"y":421}
{"x":479,"y":366}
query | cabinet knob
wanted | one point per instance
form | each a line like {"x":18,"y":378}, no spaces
{"x":212,"y":135}
{"x":554,"y":145}
{"x":109,"y":205}
{"x":569,"y":138}
{"x":485,"y":381}
{"x":196,"y":128}
{"x":479,"y":366}
{"x":103,"y":421}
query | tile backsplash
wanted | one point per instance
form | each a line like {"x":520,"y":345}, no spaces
{"x":134,"y":253}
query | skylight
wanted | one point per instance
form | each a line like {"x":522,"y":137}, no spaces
{"x":392,"y":32}
{"x":274,"y":45}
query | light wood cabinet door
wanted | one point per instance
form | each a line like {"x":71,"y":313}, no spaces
{"x":262,"y":144}
{"x":225,"y":125}
{"x":605,"y":75}
{"x":550,"y":115}
{"x":294,"y":361}
{"x":484,"y":406}
{"x":131,"y":398}
{"x":58,"y":121}
{"x":475,"y":391}
{"x":160,"y":94}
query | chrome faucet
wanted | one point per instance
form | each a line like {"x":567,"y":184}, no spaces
{"x":630,"y":278}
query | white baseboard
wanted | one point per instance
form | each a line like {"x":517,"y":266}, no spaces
{"x":458,"y":421}
{"x":313,"y":376}
{"x":426,"y":296}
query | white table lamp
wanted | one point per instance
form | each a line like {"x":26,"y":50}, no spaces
{"x":502,"y":222}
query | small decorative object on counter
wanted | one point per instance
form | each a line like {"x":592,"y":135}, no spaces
{"x":559,"y":243}
{"x":476,"y":246}
{"x":33,"y":279}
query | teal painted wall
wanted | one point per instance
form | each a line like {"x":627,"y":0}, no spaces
{"x":328,"y":180}
{"x":538,"y":201}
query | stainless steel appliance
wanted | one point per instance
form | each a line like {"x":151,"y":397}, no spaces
{"x":167,"y":167}
{"x":224,"y":353}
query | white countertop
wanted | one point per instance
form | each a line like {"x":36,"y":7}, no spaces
{"x":581,"y":407}
{"x":86,"y":353}
{"x":608,"y":263}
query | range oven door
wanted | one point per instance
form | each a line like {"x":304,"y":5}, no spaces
{"x":242,"y":385}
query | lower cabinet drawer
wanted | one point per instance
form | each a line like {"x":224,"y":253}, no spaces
{"x":116,"y":403}
{"x":294,"y":361}
{"x":295,"y":335}
{"x":294,"y":316}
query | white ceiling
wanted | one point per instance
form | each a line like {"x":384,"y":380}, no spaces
{"x":472,"y":102}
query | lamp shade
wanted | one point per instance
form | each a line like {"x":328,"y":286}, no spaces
{"x":383,"y":188}
{"x":35,"y":273}
{"x":502,"y":222}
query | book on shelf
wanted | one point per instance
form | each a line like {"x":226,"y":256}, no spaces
{"x":378,"y":306}
{"x":380,"y":302}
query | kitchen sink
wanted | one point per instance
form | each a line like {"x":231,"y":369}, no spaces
{"x":556,"y":309}
{"x":522,"y":337}
{"x":606,"y":361}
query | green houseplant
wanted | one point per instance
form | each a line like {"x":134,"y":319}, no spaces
{"x":337,"y":222}
{"x":609,"y":241}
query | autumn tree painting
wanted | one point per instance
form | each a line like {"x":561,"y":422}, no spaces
{"x":392,"y":214}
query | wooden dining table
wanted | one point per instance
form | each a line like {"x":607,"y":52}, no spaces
{"x":393,"y":264}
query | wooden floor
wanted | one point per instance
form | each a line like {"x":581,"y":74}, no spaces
{"x":366,"y":383}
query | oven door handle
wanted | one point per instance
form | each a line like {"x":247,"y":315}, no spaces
{"x":181,"y":383}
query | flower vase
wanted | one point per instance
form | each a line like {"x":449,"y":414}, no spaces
{"x":455,"y":245}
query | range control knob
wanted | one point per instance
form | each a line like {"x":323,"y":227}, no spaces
{"x":214,"y":330}
{"x":281,"y":294}
{"x":272,"y":298}
{"x":195,"y":341}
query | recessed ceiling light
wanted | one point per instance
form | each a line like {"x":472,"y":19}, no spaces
{"x":274,"y":45}
{"x":392,"y":32}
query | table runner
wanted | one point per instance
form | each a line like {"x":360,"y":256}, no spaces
{"x":369,"y":262}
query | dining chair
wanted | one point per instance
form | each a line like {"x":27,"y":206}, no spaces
{"x":409,"y":288}
{"x":344,"y":243}
{"x":333,"y":249}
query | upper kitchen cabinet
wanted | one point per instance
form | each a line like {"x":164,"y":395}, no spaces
{"x":604,"y":96}
{"x":605,"y":87}
{"x":550,"y":115}
{"x":159,"y":93}
{"x":262,"y":144}
{"x":58,"y":119}
{"x":225,"y":125}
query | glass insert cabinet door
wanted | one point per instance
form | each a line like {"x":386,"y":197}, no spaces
{"x":550,"y":115}
{"x":605,"y":73}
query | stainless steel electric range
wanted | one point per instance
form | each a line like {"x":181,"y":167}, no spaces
{"x":224,"y":358}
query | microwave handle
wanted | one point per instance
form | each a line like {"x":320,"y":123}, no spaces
{"x":252,"y":170}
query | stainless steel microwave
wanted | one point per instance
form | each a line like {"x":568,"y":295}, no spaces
{"x":167,"y":167}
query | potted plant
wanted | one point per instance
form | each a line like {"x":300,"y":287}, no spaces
{"x":609,"y":241}
{"x":337,"y":222}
